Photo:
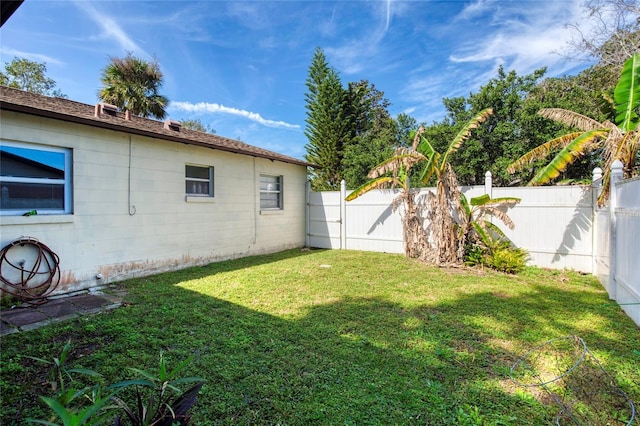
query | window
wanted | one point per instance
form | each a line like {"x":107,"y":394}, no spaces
{"x":270,"y":192}
{"x":199,"y":181}
{"x":34,"y":178}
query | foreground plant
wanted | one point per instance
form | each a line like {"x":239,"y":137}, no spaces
{"x":69,"y":404}
{"x":158,"y":400}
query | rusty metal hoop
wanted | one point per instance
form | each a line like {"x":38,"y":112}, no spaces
{"x":33,"y":279}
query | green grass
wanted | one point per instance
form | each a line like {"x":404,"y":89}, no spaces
{"x":337,"y":338}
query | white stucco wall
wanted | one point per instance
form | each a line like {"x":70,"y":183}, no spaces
{"x":164,"y":231}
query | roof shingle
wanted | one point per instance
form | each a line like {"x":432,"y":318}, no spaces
{"x":76,"y":112}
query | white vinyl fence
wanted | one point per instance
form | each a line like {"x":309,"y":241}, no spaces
{"x":558,"y":225}
{"x":617,"y":249}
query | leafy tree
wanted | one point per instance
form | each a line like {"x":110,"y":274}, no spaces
{"x":197,"y":124}
{"x":615,"y":140}
{"x":404,"y":126}
{"x":132,"y":85}
{"x":506,"y":135}
{"x":446,"y":245}
{"x":328,"y":128}
{"x":30,"y":76}
{"x":373,"y":132}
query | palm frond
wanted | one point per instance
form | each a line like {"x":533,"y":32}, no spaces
{"x":480,"y":200}
{"x":416,"y":138}
{"x":381,"y":182}
{"x":542,"y":151}
{"x":465,"y":132}
{"x":464,"y":203}
{"x":578,"y":147}
{"x":484,"y":236}
{"x":404,"y":158}
{"x":503,"y":202}
{"x":500,"y":215}
{"x":570,"y":118}
{"x":496,"y":230}
{"x":627,"y":94}
{"x":430,"y":168}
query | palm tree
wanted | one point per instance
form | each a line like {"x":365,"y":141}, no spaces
{"x":440,"y":243}
{"x":132,"y":85}
{"x":617,"y":139}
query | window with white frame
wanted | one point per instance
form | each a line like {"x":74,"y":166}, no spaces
{"x":35,"y":177}
{"x":199,"y":180}
{"x":270,"y":192}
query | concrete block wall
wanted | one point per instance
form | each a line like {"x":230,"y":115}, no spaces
{"x":131,"y":216}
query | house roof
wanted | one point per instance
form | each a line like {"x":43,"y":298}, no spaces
{"x":7,"y":7}
{"x":76,"y":112}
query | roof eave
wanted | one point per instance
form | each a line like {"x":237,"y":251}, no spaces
{"x":4,"y":105}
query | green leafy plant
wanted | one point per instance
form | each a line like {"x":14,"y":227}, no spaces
{"x":507,"y":259}
{"x":69,"y":404}
{"x":479,"y":230}
{"x":487,"y":245}
{"x":96,"y":413}
{"x":158,"y":400}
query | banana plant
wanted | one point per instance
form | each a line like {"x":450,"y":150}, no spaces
{"x":442,"y":245}
{"x":478,"y":228}
{"x":395,"y":173}
{"x":617,"y":139}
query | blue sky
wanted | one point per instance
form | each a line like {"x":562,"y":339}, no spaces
{"x":241,"y":66}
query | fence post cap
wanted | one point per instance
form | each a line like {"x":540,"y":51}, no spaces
{"x":617,"y":165}
{"x":487,"y":174}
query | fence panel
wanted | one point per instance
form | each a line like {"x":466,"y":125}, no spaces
{"x":602,"y":247}
{"x":372,"y":224}
{"x":554,"y":224}
{"x":324,"y":220}
{"x":627,"y":247}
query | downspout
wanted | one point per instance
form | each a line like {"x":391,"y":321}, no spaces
{"x":132,"y":209}
{"x":256,"y":204}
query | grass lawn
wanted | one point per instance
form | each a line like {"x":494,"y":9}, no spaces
{"x":337,"y":338}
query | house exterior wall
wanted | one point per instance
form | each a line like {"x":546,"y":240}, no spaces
{"x":131,"y":216}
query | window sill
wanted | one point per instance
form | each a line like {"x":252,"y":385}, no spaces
{"x":271,"y":212}
{"x":36,"y":219}
{"x":196,"y":199}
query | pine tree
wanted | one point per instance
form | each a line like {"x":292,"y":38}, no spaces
{"x":327,"y":128}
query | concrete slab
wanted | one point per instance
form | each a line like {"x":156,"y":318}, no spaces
{"x":29,"y":317}
{"x":89,"y":301}
{"x":22,"y":317}
{"x":58,"y":308}
{"x":6,"y":329}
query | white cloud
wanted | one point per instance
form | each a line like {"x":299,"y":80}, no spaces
{"x":110,"y":28}
{"x":473,"y":10}
{"x":356,"y":54}
{"x":213,"y":108}
{"x":4,"y":51}
{"x":526,"y":40}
